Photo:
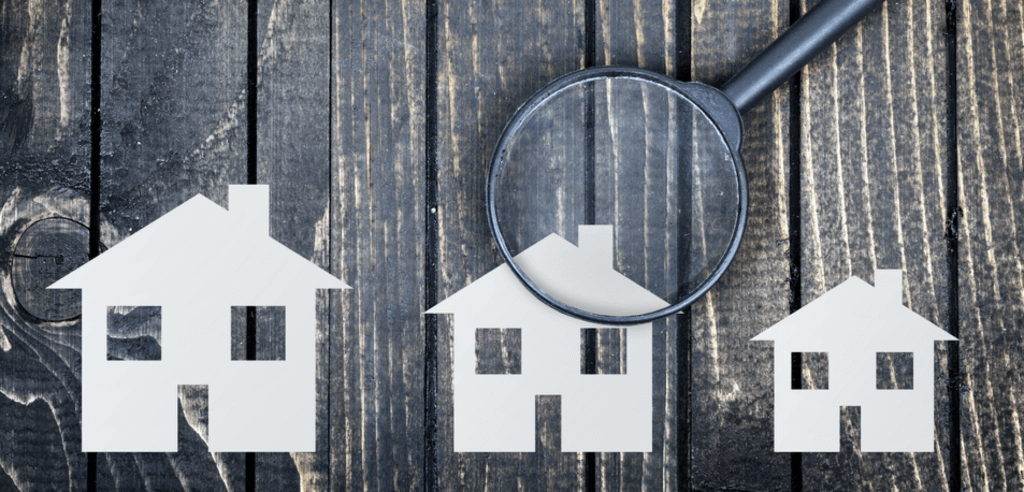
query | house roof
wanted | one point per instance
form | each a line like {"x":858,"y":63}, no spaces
{"x":576,"y":275}
{"x":199,"y":244}
{"x":853,"y":314}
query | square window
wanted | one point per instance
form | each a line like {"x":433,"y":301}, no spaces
{"x":499,"y":351}
{"x":813,"y":370}
{"x":603,"y":350}
{"x":894,"y":370}
{"x":133,"y":333}
{"x":257,"y":333}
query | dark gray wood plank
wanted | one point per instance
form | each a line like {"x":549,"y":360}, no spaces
{"x":642,"y":34}
{"x":991,"y":238}
{"x":173,"y":105}
{"x":732,"y":395}
{"x":293,"y":157}
{"x":491,"y":57}
{"x":873,"y":173}
{"x":636,"y":33}
{"x":45,"y":67}
{"x":377,"y":245}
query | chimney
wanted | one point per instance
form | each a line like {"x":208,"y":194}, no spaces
{"x":889,"y":285}
{"x":249,"y":206}
{"x":596,"y":243}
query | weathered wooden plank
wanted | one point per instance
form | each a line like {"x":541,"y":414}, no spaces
{"x":873,"y":160}
{"x":491,"y":57}
{"x":377,"y":246}
{"x":636,"y":33}
{"x":45,"y":69}
{"x":732,"y":383}
{"x":173,"y":105}
{"x":891,"y":120}
{"x":641,"y":34}
{"x":293,"y":156}
{"x":991,"y":237}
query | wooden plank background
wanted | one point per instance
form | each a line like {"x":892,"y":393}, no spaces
{"x":373,"y":120}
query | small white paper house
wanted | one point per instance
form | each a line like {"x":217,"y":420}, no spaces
{"x":853,"y":324}
{"x":196,"y":263}
{"x":600,"y":412}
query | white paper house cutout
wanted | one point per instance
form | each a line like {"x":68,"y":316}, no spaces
{"x":196,"y":262}
{"x":496,"y":412}
{"x":853,"y":323}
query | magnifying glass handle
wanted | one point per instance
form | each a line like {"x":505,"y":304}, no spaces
{"x":810,"y":34}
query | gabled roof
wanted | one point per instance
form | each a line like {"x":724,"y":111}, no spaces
{"x":199,"y":245}
{"x":572,"y":274}
{"x":854,"y":314}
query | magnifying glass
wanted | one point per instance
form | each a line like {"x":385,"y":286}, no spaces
{"x":655,"y":159}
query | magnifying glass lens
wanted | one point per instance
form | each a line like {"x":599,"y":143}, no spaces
{"x":634,"y":154}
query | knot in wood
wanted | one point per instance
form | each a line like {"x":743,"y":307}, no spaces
{"x":48,"y":250}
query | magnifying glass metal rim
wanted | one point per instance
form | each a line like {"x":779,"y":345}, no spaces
{"x":809,"y":35}
{"x":523,"y":114}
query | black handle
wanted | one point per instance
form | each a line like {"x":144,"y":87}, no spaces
{"x":811,"y":33}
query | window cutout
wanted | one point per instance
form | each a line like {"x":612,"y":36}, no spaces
{"x":814,"y":371}
{"x":894,"y":370}
{"x":238,"y":332}
{"x":603,"y":350}
{"x":499,"y":351}
{"x":133,"y":333}
{"x":270,"y":333}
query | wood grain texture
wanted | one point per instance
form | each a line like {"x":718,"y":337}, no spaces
{"x":377,"y":245}
{"x":173,"y":106}
{"x":991,"y":277}
{"x":873,"y":169}
{"x":44,"y":172}
{"x":732,"y":385}
{"x":46,"y":251}
{"x":293,"y":139}
{"x":637,"y":33}
{"x":491,"y":57}
{"x":349,"y":193}
{"x":641,"y":33}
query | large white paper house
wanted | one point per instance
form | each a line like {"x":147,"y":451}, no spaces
{"x":859,"y":327}
{"x":195,"y":264}
{"x":600,"y":412}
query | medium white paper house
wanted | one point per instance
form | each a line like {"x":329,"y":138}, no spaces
{"x":195,"y":264}
{"x":600,"y":412}
{"x":859,"y":327}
